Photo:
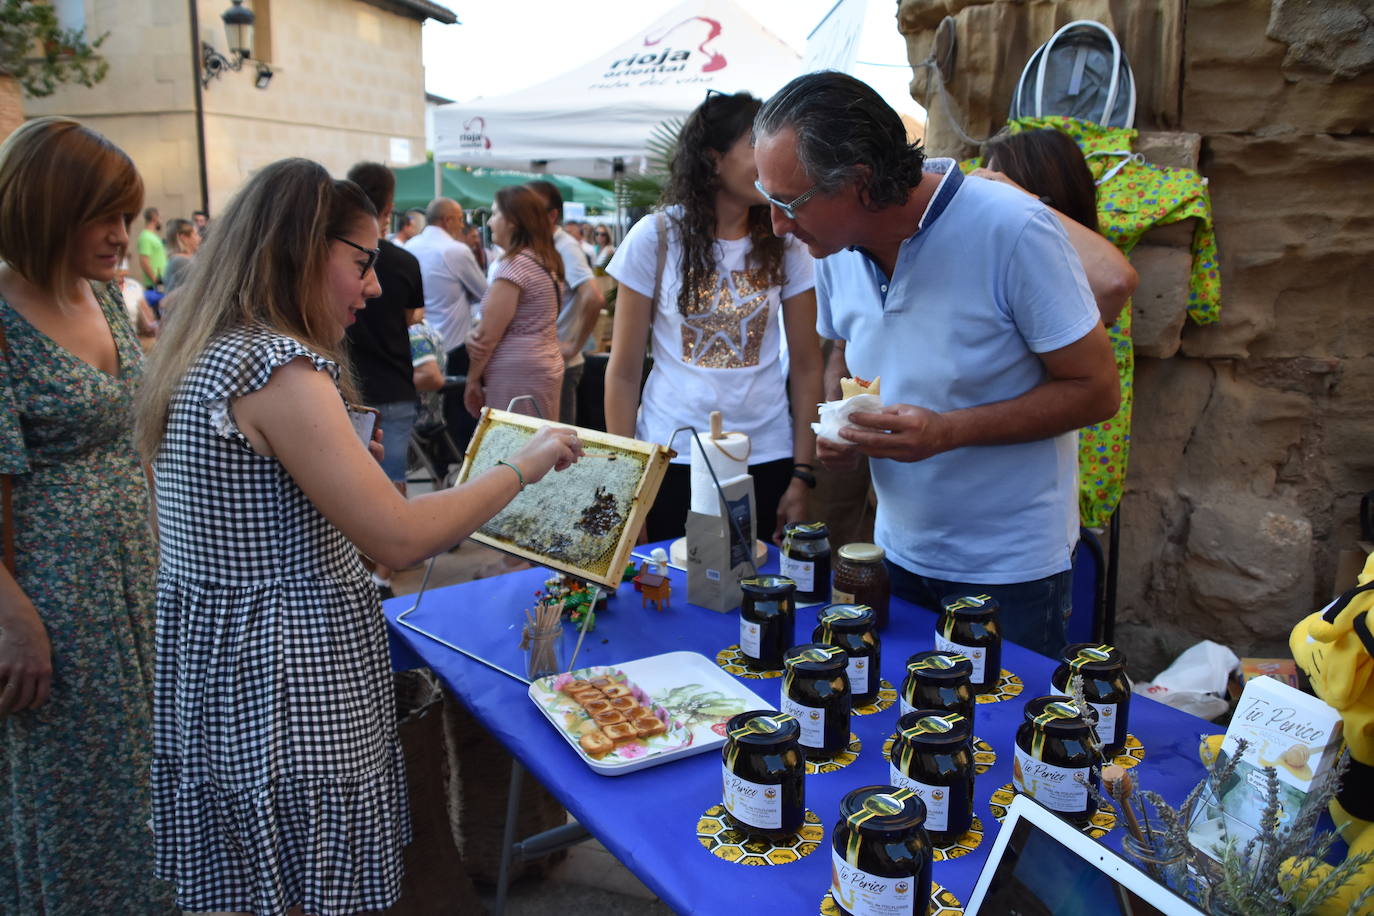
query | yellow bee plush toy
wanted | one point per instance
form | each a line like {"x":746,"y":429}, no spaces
{"x":1335,"y":649}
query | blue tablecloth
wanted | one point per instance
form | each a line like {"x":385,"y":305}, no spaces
{"x":648,"y":818}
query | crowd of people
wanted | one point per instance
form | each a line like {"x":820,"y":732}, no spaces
{"x":226,"y":663}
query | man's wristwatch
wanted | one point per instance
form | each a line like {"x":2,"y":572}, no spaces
{"x":803,"y":472}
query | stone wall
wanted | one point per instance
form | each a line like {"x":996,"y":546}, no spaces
{"x":1254,"y":437}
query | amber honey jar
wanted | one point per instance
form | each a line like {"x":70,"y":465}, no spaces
{"x":853,"y":628}
{"x":880,"y":854}
{"x":815,"y":692}
{"x":1057,"y":758}
{"x":861,"y":578}
{"x":767,"y":621}
{"x":763,"y":774}
{"x":968,"y":627}
{"x":932,"y":755}
{"x":805,"y":559}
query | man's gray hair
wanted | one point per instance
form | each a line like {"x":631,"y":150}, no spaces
{"x":845,"y":132}
{"x":440,"y":208}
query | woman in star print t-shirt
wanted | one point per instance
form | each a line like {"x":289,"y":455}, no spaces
{"x":729,"y":292}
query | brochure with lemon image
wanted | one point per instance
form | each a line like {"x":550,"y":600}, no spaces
{"x":1296,"y":733}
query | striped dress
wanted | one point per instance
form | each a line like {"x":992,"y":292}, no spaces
{"x":527,"y":359}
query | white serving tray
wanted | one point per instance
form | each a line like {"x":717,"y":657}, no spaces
{"x":687,"y":690}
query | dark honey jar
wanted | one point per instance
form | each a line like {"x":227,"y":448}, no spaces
{"x":853,"y":627}
{"x":932,"y":755}
{"x":1105,"y":687}
{"x":939,"y":680}
{"x":815,"y":692}
{"x":767,"y":621}
{"x":805,"y":559}
{"x":968,"y":627}
{"x":880,"y":855}
{"x":1057,"y":758}
{"x":861,"y":578}
{"x":764,"y":774}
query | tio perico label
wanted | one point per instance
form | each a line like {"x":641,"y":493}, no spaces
{"x":975,"y":654}
{"x":935,"y":797}
{"x":863,"y":894}
{"x":1057,"y":788}
{"x":802,"y":572}
{"x":750,"y":802}
{"x":749,"y":637}
{"x":810,"y":718}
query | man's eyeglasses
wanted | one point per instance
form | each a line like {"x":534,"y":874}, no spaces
{"x":371,"y":253}
{"x":788,"y":208}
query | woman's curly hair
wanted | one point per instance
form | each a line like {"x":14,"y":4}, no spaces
{"x":716,"y":124}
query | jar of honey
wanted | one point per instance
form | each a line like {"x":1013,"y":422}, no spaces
{"x":853,"y":627}
{"x":932,"y":755}
{"x":805,"y":559}
{"x":880,"y":855}
{"x":939,"y":680}
{"x":1105,"y":686}
{"x":815,"y":692}
{"x":861,"y":578}
{"x":1057,"y":758}
{"x":764,"y":774}
{"x":968,"y":627}
{"x":767,"y":621}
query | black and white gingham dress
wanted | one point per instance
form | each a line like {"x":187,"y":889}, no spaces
{"x":277,"y":777}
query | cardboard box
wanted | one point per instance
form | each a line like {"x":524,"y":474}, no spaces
{"x":1295,"y":733}
{"x":1283,"y":670}
{"x":716,"y":557}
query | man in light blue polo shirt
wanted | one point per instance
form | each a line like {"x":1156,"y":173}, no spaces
{"x":966,"y":298}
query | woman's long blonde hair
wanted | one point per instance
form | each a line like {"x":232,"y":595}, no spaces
{"x":263,"y":265}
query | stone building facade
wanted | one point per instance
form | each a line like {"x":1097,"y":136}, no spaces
{"x":1253,"y":438}
{"x":347,"y":84}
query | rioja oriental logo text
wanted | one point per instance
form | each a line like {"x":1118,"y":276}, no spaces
{"x":669,"y":59}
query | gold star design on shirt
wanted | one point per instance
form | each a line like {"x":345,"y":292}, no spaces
{"x":730,"y":335}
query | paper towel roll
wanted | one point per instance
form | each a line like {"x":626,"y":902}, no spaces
{"x":728,"y":456}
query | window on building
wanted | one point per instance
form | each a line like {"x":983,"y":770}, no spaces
{"x":262,"y":29}
{"x":71,"y":14}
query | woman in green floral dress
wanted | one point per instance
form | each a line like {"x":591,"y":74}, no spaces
{"x":76,"y":609}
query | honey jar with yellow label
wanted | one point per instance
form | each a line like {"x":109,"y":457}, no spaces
{"x":880,"y":855}
{"x":805,"y":559}
{"x":854,"y":628}
{"x":1105,"y":686}
{"x":815,"y":692}
{"x":1057,"y":758}
{"x":938,"y":680}
{"x":763,"y":774}
{"x":968,"y":627}
{"x":932,"y":755}
{"x":767,"y":621}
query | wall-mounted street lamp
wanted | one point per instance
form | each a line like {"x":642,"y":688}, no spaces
{"x":238,"y":29}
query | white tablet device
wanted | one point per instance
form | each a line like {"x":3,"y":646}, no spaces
{"x":1041,"y":865}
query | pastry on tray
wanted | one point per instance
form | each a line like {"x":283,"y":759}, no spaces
{"x":606,"y":712}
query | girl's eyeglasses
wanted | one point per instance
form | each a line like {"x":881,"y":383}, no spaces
{"x":371,"y":253}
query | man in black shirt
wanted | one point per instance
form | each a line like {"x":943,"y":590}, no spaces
{"x":379,"y":341}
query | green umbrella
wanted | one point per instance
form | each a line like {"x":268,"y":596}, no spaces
{"x":476,"y":188}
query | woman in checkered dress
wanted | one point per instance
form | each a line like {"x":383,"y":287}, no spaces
{"x":277,"y":778}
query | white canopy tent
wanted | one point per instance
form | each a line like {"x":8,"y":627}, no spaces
{"x":597,"y":119}
{"x":860,"y":37}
